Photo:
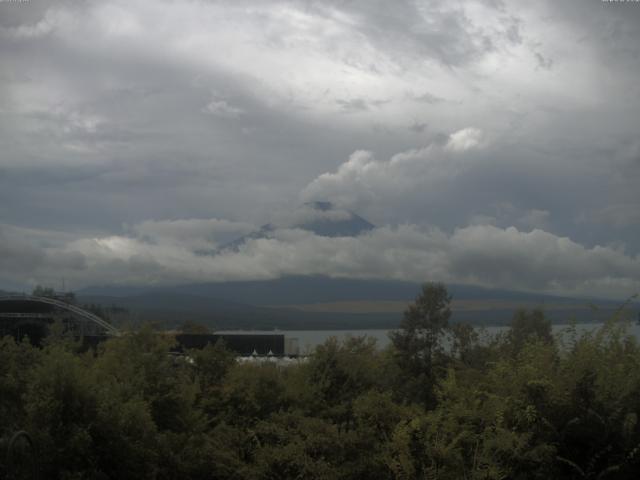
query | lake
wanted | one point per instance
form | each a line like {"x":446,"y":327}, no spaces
{"x":309,"y":339}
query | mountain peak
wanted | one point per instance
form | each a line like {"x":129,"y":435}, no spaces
{"x":327,"y":220}
{"x":322,"y":218}
{"x":320,"y":205}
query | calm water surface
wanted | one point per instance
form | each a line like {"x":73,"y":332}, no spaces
{"x":309,"y":339}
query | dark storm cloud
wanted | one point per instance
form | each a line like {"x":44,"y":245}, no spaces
{"x":418,"y":127}
{"x":438,"y":30}
{"x":489,"y":114}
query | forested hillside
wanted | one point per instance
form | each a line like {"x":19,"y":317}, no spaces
{"x":525,"y":405}
{"x":320,"y":303}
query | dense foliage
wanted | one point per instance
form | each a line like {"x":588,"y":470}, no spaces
{"x":438,"y":403}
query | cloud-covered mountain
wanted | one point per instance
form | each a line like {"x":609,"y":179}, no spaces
{"x":487,"y":255}
{"x":321,"y":218}
{"x":514,"y":249}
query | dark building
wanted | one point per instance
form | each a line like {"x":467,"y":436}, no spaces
{"x":29,"y":316}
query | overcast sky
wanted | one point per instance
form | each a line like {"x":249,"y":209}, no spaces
{"x":493,"y":143}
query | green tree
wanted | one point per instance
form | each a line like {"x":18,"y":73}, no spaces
{"x":342,"y":371}
{"x":252,"y":393}
{"x":290,"y":446}
{"x":527,"y":326}
{"x":189,"y":326}
{"x":17,"y":359}
{"x":40,"y":291}
{"x":418,"y":342}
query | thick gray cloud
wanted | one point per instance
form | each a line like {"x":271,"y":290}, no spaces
{"x":142,"y":121}
{"x":160,"y":253}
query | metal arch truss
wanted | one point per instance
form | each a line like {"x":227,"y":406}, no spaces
{"x":110,"y":329}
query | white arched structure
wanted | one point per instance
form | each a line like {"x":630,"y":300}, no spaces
{"x":109,"y":329}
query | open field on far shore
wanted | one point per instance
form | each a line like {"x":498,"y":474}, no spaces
{"x":398,"y":306}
